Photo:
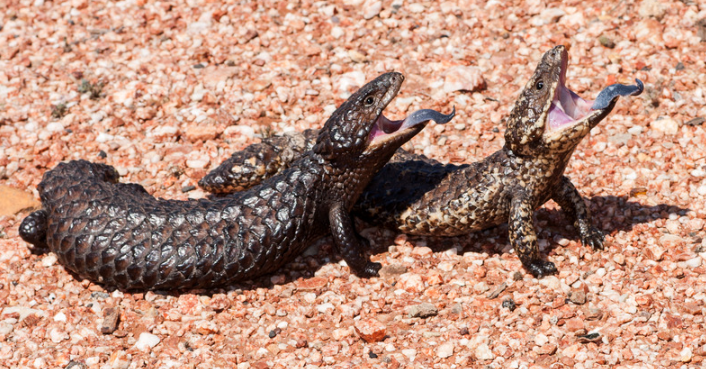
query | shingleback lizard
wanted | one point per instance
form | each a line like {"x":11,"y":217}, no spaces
{"x":420,"y":196}
{"x":118,"y":235}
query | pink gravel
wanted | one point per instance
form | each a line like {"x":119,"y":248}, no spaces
{"x":172,"y":88}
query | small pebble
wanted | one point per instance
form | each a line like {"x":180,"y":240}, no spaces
{"x":605,"y":41}
{"x":577,"y":297}
{"x":462,"y":78}
{"x":76,"y":365}
{"x":111,"y":317}
{"x":423,"y":310}
{"x":509,"y":304}
{"x":665,"y":125}
{"x":393,"y":269}
{"x":483,"y":352}
{"x":371,"y":8}
{"x":146,"y":341}
{"x":445,"y":350}
{"x":370,"y":330}
{"x":696,"y":121}
{"x":99,"y":295}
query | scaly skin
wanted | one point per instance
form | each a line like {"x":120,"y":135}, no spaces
{"x":258,"y":162}
{"x":449,"y":200}
{"x":119,"y":235}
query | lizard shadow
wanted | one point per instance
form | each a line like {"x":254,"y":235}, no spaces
{"x":610,"y":214}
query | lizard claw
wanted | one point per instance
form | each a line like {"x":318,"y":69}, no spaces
{"x":541,"y":268}
{"x":593,"y":238}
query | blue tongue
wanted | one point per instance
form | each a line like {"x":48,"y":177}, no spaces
{"x":424,"y":115}
{"x":611,"y":92}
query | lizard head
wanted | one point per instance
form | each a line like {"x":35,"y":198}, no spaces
{"x":549,"y":117}
{"x":358,"y":131}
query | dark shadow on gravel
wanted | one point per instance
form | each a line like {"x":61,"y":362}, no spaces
{"x":611,"y":214}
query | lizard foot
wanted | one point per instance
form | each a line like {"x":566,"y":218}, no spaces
{"x":541,"y":268}
{"x":593,"y":237}
{"x":370,"y":269}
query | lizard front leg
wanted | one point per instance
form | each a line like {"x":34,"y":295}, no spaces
{"x":349,"y":244}
{"x":572,"y":203}
{"x":523,"y":236}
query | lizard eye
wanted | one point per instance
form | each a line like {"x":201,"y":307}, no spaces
{"x":369,"y":100}
{"x":540,"y":85}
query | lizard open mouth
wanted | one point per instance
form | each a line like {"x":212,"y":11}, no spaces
{"x":568,"y":108}
{"x":385,"y":127}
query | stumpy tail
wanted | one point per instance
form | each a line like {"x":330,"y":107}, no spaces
{"x":34,"y":230}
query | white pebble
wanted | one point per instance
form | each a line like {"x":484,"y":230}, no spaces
{"x":323,"y":307}
{"x":198,"y":94}
{"x":483,"y":352}
{"x":31,"y":126}
{"x":6,"y":328}
{"x":667,"y":126}
{"x":445,"y":350}
{"x":698,"y":173}
{"x":446,"y":266}
{"x":57,"y":335}
{"x":462,"y":78}
{"x":309,"y":297}
{"x":93,"y":360}
{"x":39,"y":363}
{"x":541,"y":340}
{"x":547,"y":16}
{"x":60,"y":317}
{"x":348,"y":82}
{"x":416,"y":8}
{"x":685,"y":355}
{"x":49,"y":260}
{"x":165,"y":131}
{"x":551,"y":282}
{"x":146,"y":341}
{"x":371,"y":8}
{"x":337,"y":32}
{"x":55,"y":127}
{"x":701,"y":190}
{"x":196,"y":164}
{"x":241,"y":130}
{"x":694,"y":263}
{"x":104,"y":137}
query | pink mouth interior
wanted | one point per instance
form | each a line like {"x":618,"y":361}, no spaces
{"x":384,"y":126}
{"x":567,"y":107}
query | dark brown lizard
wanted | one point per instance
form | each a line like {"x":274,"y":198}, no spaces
{"x":420,"y":196}
{"x":118,"y":235}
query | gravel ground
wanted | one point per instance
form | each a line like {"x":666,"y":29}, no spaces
{"x":165,"y":91}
